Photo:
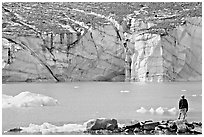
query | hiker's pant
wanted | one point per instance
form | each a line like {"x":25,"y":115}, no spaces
{"x":183,"y":112}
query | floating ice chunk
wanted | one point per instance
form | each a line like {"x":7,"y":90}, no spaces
{"x":142,"y":110}
{"x":172,"y":111}
{"x":72,"y":128}
{"x":160,"y":110}
{"x":6,"y":97}
{"x":124,"y":91}
{"x":76,"y":87}
{"x":28,"y":99}
{"x":47,"y":128}
{"x":121,"y":125}
{"x":151,"y":110}
{"x":6,"y":101}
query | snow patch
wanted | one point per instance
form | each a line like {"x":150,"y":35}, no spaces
{"x":27,"y":99}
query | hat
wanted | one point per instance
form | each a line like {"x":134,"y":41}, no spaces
{"x":182,"y":96}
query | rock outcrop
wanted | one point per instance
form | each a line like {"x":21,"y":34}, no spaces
{"x":102,"y":123}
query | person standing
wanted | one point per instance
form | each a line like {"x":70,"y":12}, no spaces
{"x":183,"y":107}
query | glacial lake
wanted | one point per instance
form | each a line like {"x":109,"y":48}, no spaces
{"x":81,"y":101}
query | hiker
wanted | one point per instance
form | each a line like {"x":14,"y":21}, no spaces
{"x":183,"y":107}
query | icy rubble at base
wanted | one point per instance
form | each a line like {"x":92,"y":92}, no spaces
{"x":27,"y":99}
{"x":47,"y":128}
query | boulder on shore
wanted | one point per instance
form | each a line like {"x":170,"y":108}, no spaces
{"x":182,"y":126}
{"x":102,"y":123}
{"x":150,"y":125}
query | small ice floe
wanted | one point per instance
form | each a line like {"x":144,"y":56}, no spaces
{"x":151,"y":110}
{"x":142,"y":110}
{"x":160,"y":110}
{"x":27,"y":99}
{"x":121,"y":125}
{"x":76,"y":87}
{"x":194,"y":95}
{"x":6,"y":101}
{"x":124,"y":91}
{"x":172,"y":111}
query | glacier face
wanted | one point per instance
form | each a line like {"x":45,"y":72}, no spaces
{"x":173,"y":57}
{"x":100,"y":56}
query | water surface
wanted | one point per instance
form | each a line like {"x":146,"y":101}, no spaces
{"x":79,"y":102}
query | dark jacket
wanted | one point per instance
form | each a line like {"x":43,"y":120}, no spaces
{"x":183,"y":103}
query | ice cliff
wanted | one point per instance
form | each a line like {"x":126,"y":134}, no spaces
{"x":176,"y":56}
{"x":100,"y":56}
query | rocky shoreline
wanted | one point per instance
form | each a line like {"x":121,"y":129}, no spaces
{"x":167,"y":127}
{"x":104,"y":126}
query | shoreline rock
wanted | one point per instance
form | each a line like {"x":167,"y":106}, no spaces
{"x":105,"y":126}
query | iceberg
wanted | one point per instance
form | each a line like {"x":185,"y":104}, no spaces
{"x":173,"y":111}
{"x":27,"y":99}
{"x":124,"y":91}
{"x":151,"y":110}
{"x":142,"y":110}
{"x":160,"y":111}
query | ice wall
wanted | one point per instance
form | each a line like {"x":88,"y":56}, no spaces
{"x":100,"y":56}
{"x":173,"y":57}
